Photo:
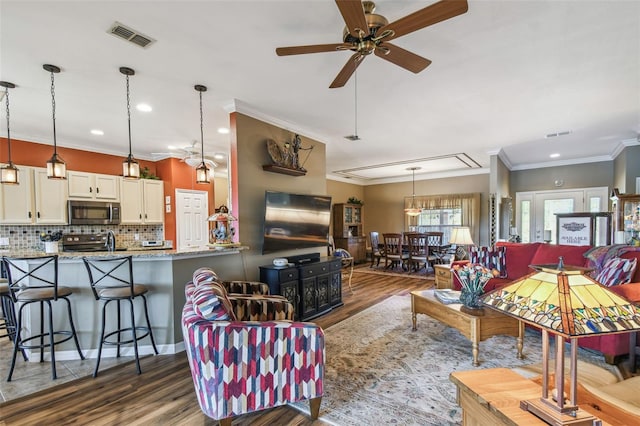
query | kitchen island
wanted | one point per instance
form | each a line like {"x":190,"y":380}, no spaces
{"x":164,"y":272}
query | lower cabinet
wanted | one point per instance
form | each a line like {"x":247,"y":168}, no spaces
{"x":313,"y":288}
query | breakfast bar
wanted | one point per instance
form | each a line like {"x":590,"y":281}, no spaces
{"x":164,"y":272}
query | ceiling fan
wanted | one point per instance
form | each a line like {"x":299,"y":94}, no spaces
{"x":189,"y":154}
{"x":366,"y":33}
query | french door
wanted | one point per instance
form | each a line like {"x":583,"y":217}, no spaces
{"x":536,"y":211}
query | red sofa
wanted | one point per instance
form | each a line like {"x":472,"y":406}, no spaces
{"x":519,"y":256}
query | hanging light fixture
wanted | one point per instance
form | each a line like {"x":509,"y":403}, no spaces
{"x":9,"y":172}
{"x":413,"y":210}
{"x":130,"y":167}
{"x":202,"y":171}
{"x":56,"y":168}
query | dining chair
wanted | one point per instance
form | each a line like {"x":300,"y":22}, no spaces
{"x":393,"y":250}
{"x":436,"y":248}
{"x":111,"y":280}
{"x":347,"y":264}
{"x":377,"y":251}
{"x":418,"y":251}
{"x":34,"y":280}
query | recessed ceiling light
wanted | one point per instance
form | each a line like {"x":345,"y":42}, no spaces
{"x":223,"y":130}
{"x":97,"y":132}
{"x":172,"y":147}
{"x":144,"y":108}
{"x":218,"y":156}
{"x":554,"y":155}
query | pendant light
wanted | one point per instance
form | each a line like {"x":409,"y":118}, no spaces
{"x":9,"y":172}
{"x":130,"y":167}
{"x":413,"y":210}
{"x":56,"y":168}
{"x":202,"y":171}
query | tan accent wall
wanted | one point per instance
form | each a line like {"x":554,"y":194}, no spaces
{"x":250,"y":182}
{"x":384,"y":204}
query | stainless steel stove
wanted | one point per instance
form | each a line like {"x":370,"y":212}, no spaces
{"x":84,"y":242}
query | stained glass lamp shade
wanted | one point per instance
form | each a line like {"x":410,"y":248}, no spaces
{"x":569,"y":304}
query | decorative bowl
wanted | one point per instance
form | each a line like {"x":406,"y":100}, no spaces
{"x":280,"y":261}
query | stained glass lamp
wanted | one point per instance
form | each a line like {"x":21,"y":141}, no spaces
{"x":566,"y":302}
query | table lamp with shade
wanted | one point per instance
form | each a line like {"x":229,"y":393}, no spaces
{"x":461,"y":237}
{"x":568,"y":303}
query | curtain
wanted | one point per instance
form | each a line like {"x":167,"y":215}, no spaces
{"x":468,"y":203}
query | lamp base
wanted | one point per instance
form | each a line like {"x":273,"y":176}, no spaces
{"x":555,"y":417}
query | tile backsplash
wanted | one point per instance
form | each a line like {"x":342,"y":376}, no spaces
{"x":27,"y":237}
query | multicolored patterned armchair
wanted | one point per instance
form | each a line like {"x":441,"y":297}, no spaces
{"x":243,"y":366}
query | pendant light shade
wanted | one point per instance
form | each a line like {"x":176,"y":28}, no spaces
{"x":56,"y":168}
{"x":202,"y":171}
{"x":9,"y":172}
{"x":130,"y":167}
{"x":413,"y":210}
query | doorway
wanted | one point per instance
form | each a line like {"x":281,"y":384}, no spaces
{"x":192,"y":211}
{"x":536,"y":210}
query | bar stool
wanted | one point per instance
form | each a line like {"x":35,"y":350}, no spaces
{"x":111,"y":280}
{"x":8,"y":326}
{"x":35,"y":280}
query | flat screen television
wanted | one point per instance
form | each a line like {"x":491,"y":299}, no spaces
{"x":295,"y":221}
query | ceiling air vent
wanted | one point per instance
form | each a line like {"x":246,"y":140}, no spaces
{"x":131,"y":35}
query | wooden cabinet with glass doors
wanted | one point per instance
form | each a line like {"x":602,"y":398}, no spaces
{"x":626,"y":216}
{"x":348,"y":230}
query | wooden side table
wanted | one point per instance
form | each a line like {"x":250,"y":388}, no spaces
{"x":443,"y":276}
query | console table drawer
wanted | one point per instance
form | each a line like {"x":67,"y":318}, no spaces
{"x":315,"y":269}
{"x":290,"y":274}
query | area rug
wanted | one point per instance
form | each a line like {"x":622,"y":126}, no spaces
{"x":365,"y":269}
{"x":378,"y":371}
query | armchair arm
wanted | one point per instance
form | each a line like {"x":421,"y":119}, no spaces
{"x":261,"y":308}
{"x":241,"y":367}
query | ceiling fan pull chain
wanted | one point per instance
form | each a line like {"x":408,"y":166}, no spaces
{"x":355,"y":80}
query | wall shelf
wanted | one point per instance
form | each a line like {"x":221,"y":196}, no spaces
{"x":283,"y":170}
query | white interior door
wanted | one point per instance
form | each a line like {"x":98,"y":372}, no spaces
{"x":191,"y":219}
{"x":536,"y":211}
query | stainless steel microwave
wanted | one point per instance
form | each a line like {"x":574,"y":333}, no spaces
{"x":93,"y":213}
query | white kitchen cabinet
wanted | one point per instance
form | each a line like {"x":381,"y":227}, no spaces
{"x":16,"y":201}
{"x":50,"y":199}
{"x":36,"y":200}
{"x":93,"y":186}
{"x":142,"y":201}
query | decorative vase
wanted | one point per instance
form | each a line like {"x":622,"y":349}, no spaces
{"x":470,"y":298}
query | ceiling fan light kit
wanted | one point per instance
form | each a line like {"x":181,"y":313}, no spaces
{"x":130,"y":167}
{"x":202,"y":171}
{"x":56,"y":167}
{"x":367,"y":32}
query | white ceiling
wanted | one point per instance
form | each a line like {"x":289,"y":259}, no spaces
{"x":504,"y":75}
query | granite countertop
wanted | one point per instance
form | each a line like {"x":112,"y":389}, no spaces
{"x":132,"y":251}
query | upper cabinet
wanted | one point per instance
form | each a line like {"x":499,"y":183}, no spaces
{"x":91,"y":186}
{"x":142,"y":201}
{"x":35,"y":200}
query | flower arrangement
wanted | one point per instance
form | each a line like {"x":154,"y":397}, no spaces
{"x":473,"y":278}
{"x":52,"y":236}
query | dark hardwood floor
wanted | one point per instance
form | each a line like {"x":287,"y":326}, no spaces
{"x":164,"y":393}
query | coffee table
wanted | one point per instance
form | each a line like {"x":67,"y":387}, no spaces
{"x":476,"y":328}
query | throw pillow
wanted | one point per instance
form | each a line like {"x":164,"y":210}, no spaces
{"x":210,"y":302}
{"x":616,"y":271}
{"x":490,"y":258}
{"x":204,"y":276}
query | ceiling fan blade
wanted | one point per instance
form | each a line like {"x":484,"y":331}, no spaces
{"x":353,"y":15}
{"x":401,"y":57}
{"x":346,"y":71}
{"x":437,"y":12}
{"x":315,"y":48}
